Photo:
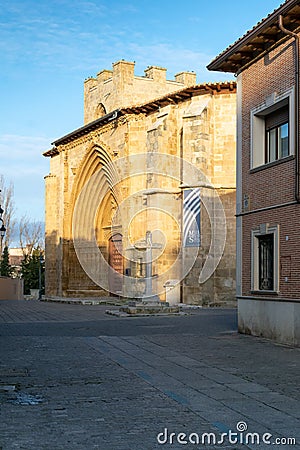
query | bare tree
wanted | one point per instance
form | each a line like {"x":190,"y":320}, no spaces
{"x":7,"y":204}
{"x":31,"y":235}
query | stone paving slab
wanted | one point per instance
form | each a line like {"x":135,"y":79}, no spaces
{"x":223,"y":395}
{"x":101,"y":411}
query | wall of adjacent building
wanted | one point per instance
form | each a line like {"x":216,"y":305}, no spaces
{"x":273,"y":185}
{"x":272,"y":315}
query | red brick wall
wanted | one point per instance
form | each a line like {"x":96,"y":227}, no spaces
{"x":273,"y":73}
{"x":273,"y":185}
{"x":288,"y":220}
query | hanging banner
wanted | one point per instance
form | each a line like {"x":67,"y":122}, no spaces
{"x":191,"y":217}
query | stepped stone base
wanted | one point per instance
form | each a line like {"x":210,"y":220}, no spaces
{"x":144,"y":309}
{"x":81,"y":293}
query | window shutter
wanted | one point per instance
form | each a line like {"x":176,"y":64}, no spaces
{"x":277,"y":118}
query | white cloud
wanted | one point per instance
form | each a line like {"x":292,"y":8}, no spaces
{"x":22,"y":150}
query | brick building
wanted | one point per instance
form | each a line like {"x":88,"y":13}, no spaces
{"x":153,"y":155}
{"x":16,"y":256}
{"x":266,"y":62}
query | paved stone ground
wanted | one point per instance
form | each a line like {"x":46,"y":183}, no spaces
{"x":72,"y":377}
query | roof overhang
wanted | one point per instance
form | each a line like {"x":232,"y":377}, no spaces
{"x":52,"y":152}
{"x":260,"y":40}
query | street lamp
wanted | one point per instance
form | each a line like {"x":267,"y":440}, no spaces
{"x":41,"y":262}
{"x":2,"y":229}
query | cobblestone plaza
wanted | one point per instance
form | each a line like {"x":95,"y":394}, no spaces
{"x":73,"y":377}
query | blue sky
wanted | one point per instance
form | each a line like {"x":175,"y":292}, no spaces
{"x":49,"y":47}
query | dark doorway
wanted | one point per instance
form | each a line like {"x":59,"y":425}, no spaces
{"x":116,"y":264}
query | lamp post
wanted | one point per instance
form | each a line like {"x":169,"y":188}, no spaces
{"x":41,"y":262}
{"x":2,"y":229}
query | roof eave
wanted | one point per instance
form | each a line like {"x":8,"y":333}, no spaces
{"x":88,"y":127}
{"x":272,"y":19}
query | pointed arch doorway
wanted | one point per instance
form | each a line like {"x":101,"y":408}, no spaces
{"x":116,"y":263}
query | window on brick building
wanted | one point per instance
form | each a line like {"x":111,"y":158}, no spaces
{"x":265,"y":258}
{"x":277,"y":135}
{"x":272,"y":129}
{"x":266,"y":262}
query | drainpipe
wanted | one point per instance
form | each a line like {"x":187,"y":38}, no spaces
{"x":297,"y":171}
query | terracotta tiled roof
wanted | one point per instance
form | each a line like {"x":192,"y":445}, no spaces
{"x":178,"y":96}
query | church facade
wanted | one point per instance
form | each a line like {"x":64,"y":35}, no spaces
{"x":140,"y":200}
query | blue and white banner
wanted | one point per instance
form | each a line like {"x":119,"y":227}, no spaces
{"x":191,"y":217}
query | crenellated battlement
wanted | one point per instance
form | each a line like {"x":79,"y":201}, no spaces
{"x":120,"y":88}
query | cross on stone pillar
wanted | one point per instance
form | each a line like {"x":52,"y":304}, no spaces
{"x":148,"y":246}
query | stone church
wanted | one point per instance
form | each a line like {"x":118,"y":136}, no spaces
{"x":140,"y":201}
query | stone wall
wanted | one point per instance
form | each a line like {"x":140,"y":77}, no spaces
{"x":11,"y":288}
{"x":119,"y":88}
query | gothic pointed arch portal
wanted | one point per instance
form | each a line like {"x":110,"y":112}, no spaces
{"x":97,"y":159}
{"x":127,"y":172}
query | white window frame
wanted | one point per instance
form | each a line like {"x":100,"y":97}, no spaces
{"x":255,"y":234}
{"x":257,"y":126}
